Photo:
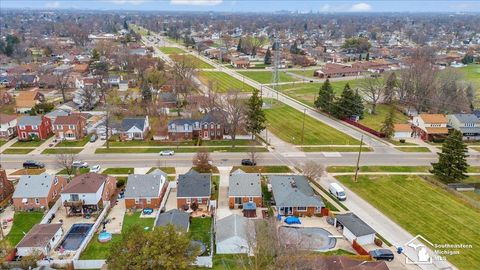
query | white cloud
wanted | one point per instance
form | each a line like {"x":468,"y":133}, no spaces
{"x":55,"y":4}
{"x":360,"y":7}
{"x":325,"y":8}
{"x":122,"y":2}
{"x":196,"y":2}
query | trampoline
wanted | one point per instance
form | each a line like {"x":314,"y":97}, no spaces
{"x":316,"y":239}
{"x":75,"y":236}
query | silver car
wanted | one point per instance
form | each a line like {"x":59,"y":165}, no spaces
{"x":167,"y":153}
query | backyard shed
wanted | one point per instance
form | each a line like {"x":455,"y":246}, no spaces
{"x":42,"y":238}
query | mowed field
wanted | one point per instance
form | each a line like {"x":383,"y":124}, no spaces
{"x":171,"y":50}
{"x":375,"y":121}
{"x":425,"y":209}
{"x":197,"y":63}
{"x":266,"y":76}
{"x":286,"y":123}
{"x":472,"y":74}
{"x":305,"y":73}
{"x":223,"y":82}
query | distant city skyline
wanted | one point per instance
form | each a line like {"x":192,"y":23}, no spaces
{"x":253,"y":6}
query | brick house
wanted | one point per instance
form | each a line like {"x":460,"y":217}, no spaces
{"x":194,"y":187}
{"x":37,"y":191}
{"x":430,"y":126}
{"x":26,"y":100}
{"x":241,"y":62}
{"x":88,"y":193}
{"x":294,"y":196}
{"x":70,"y":127}
{"x":8,"y":126}
{"x":145,"y":190}
{"x":212,"y":127}
{"x":183,"y":129}
{"x":243,"y":188}
{"x":29,"y":127}
{"x":6,"y":187}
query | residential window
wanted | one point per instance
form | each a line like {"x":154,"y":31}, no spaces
{"x":238,"y":200}
{"x":59,"y":127}
{"x":137,"y":200}
{"x":300,"y":208}
{"x":25,"y":201}
{"x":218,"y":125}
{"x":149,"y":200}
{"x":212,"y":125}
{"x":34,"y":127}
{"x":189,"y":200}
{"x":55,"y":180}
{"x":250,"y":199}
{"x":74,"y":197}
{"x":21,"y":127}
{"x":37,"y":201}
{"x":72,"y":127}
{"x":205,"y":126}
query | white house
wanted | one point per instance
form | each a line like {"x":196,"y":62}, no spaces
{"x":402,"y":131}
{"x":355,"y":229}
{"x":8,"y":126}
{"x":234,"y":234}
{"x":42,"y":238}
{"x":135,"y":128}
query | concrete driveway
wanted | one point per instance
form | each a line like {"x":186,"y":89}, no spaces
{"x":171,"y":200}
{"x":222,"y":203}
{"x":117,"y":212}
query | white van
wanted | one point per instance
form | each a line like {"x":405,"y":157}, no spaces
{"x":337,"y":191}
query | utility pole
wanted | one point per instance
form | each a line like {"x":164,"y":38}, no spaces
{"x":358,"y":160}
{"x":303,"y":124}
{"x":276,"y":65}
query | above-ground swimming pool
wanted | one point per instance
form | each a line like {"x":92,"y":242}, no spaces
{"x":307,"y":238}
{"x":73,"y":239}
{"x":104,"y":237}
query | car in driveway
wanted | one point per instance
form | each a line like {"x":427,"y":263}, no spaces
{"x":167,"y":153}
{"x":93,"y":138}
{"x":248,"y":162}
{"x":382,"y":254}
{"x":79,"y":164}
{"x":95,"y":169}
{"x":32,"y":164}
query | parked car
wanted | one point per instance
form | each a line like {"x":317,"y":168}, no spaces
{"x":103,"y":137}
{"x":79,"y":164}
{"x":32,"y":164}
{"x":337,"y":191}
{"x":248,"y":162}
{"x":95,"y":169}
{"x":382,"y":254}
{"x":167,"y":153}
{"x":93,"y":138}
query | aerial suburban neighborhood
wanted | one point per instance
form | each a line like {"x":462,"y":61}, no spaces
{"x":210,"y":134}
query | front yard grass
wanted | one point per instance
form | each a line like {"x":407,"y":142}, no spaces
{"x":375,"y":121}
{"x":17,"y":151}
{"x":265,"y":77}
{"x":167,"y":170}
{"x":171,"y":50}
{"x":263,"y":169}
{"x":56,"y":151}
{"x":81,"y":171}
{"x":286,"y":123}
{"x":29,"y":171}
{"x":22,"y":223}
{"x":118,"y":171}
{"x":177,"y":150}
{"x":222,"y":82}
{"x":423,"y":208}
{"x":200,"y":230}
{"x":78,"y":143}
{"x":32,"y":143}
{"x":335,"y":149}
{"x":345,"y":169}
{"x":2,"y":142}
{"x":419,"y":149}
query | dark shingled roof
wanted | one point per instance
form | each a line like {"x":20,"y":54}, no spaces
{"x":194,"y":184}
{"x":354,"y":224}
{"x":85,"y":183}
{"x":128,"y":123}
{"x":179,"y":219}
{"x":39,"y":235}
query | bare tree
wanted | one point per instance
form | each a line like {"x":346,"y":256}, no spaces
{"x":373,"y":88}
{"x":202,"y":160}
{"x":65,"y":161}
{"x":89,"y":96}
{"x":61,"y":82}
{"x":313,"y":170}
{"x":233,"y":107}
{"x":182,"y":71}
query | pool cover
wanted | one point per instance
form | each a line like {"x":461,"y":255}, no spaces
{"x":75,"y":236}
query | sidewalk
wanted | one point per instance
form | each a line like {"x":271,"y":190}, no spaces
{"x":8,"y":144}
{"x":43,"y":146}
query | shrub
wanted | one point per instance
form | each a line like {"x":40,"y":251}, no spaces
{"x":402,"y":140}
{"x":378,"y":242}
{"x":121,"y":182}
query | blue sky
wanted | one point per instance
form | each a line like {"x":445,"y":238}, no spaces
{"x":257,"y":6}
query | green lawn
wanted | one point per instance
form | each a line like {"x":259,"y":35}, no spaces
{"x":22,"y":223}
{"x":423,"y":208}
{"x":18,"y":151}
{"x":81,"y":170}
{"x":341,"y":169}
{"x":150,"y":143}
{"x":27,"y":143}
{"x":2,"y":142}
{"x":55,"y":151}
{"x":398,"y":143}
{"x":78,"y":143}
{"x":118,"y":171}
{"x":229,"y":142}
{"x":200,"y":230}
{"x":177,"y":150}
{"x":375,"y":121}
{"x":419,"y":149}
{"x":171,"y":50}
{"x":336,"y":149}
{"x":196,"y":62}
{"x":286,"y":123}
{"x":305,"y":73}
{"x":265,"y":77}
{"x":472,"y":74}
{"x":167,"y":170}
{"x":222,"y":82}
{"x":131,"y":219}
{"x":263,"y":169}
{"x":215,"y":184}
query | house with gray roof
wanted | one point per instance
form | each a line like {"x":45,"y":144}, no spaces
{"x":294,"y":196}
{"x":194,"y":187}
{"x":243,"y":188}
{"x":467,"y":123}
{"x":234,"y":234}
{"x":179,"y":219}
{"x":135,"y":128}
{"x":145,"y":190}
{"x":37,"y":191}
{"x":183,"y":129}
{"x":355,"y":229}
{"x":41,"y":239}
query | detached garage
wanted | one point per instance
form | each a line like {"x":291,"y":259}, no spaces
{"x":402,"y":131}
{"x":233,"y":235}
{"x":355,"y":229}
{"x":42,"y":239}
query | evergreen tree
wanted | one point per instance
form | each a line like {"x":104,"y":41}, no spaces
{"x":255,"y":115}
{"x":239,"y":46}
{"x":125,"y":25}
{"x":95,"y":55}
{"x":367,"y":57}
{"x":357,"y":106}
{"x":294,"y":48}
{"x":146,"y":93}
{"x":325,"y":97}
{"x":268,"y":57}
{"x":350,"y":104}
{"x":387,"y":127}
{"x":452,"y":161}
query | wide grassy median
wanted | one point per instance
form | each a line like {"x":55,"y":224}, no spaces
{"x":423,"y":208}
{"x":171,"y":50}
{"x":222,"y":82}
{"x":265,"y":77}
